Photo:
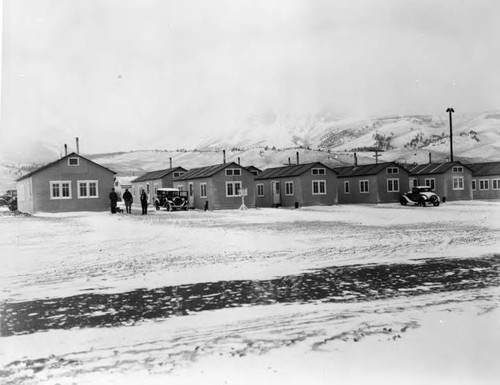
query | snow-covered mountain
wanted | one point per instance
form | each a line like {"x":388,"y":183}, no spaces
{"x":270,"y":139}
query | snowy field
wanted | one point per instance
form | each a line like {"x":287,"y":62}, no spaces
{"x":361,"y":294}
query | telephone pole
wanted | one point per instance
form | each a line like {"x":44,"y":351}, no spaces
{"x":451,"y":111}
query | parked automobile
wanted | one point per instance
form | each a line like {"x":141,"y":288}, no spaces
{"x":171,"y":199}
{"x":9,"y":201}
{"x":420,"y":195}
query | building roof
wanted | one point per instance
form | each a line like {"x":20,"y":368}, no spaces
{"x":73,"y":154}
{"x":364,"y":169}
{"x":253,"y":168}
{"x":434,"y":168}
{"x":158,"y":174}
{"x":206,"y":172}
{"x":485,"y":169}
{"x":288,"y":171}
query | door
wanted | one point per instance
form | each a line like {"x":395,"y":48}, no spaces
{"x":276,"y":193}
{"x":191,"y":195}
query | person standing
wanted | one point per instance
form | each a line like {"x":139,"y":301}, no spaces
{"x":144,"y":202}
{"x":113,"y":200}
{"x":127,"y":197}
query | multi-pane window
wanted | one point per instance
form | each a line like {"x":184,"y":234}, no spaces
{"x":73,"y":161}
{"x":458,"y":169}
{"x":260,"y":190}
{"x":431,"y":182}
{"x":346,"y":187}
{"x":233,"y":172}
{"x":203,"y":190}
{"x":484,"y":184}
{"x":473,"y":185}
{"x":319,"y":187}
{"x":178,"y":174}
{"x":233,"y":189}
{"x":60,"y":190}
{"x":413,"y":182}
{"x":318,"y":171}
{"x":458,"y":183}
{"x":392,"y":170}
{"x":495,"y":184}
{"x":393,"y":185}
{"x":288,"y":188}
{"x":364,"y":187}
{"x":87,"y":189}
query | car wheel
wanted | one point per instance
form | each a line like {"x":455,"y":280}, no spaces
{"x":157,"y":207}
{"x":434,"y":200}
{"x":169,"y":208}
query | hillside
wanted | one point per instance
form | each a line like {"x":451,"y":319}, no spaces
{"x":270,"y":140}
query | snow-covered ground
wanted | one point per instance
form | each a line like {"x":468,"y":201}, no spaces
{"x":413,"y":330}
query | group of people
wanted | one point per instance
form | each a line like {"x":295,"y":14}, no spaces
{"x":128,"y":199}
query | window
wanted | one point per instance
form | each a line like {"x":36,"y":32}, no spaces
{"x":458,"y":183}
{"x":413,"y":182}
{"x":60,"y":190}
{"x":473,"y":185}
{"x":178,"y":174}
{"x":87,"y":189}
{"x":346,"y":187}
{"x":431,"y":182}
{"x":147,"y":188}
{"x":318,"y":171}
{"x":364,"y":186}
{"x":233,"y":172}
{"x":392,"y":170}
{"x":73,"y":161}
{"x":190,"y":189}
{"x":484,"y":184}
{"x":288,"y":188}
{"x":319,"y":187}
{"x":260,"y":190}
{"x":233,"y":189}
{"x":458,"y":169}
{"x":393,"y":185}
{"x":203,"y":190}
{"x":495,"y":184}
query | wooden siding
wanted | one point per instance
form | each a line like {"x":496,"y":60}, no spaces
{"x":444,"y":184}
{"x":302,"y":190}
{"x":493,"y":190}
{"x":216,"y":190}
{"x":37,"y":187}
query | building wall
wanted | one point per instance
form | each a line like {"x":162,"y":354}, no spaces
{"x":355,"y":195}
{"x":444,"y":184}
{"x":40,"y":182}
{"x":216,"y":191}
{"x":25,"y":196}
{"x":489,"y":190}
{"x":302,"y":190}
{"x":384,"y":196}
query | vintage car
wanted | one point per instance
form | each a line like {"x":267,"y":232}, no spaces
{"x":420,"y":195}
{"x":9,"y":201}
{"x":171,"y":199}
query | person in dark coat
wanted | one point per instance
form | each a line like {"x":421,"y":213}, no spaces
{"x":144,"y":202}
{"x":127,"y":197}
{"x":113,"y":199}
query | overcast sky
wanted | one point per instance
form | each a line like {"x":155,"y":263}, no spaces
{"x":127,"y":71}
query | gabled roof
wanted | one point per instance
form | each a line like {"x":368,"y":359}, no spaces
{"x":434,"y":168}
{"x":158,"y":174}
{"x":73,"y":154}
{"x":484,"y":169}
{"x":253,"y":168}
{"x":288,"y":171}
{"x":364,"y":169}
{"x":206,"y":172}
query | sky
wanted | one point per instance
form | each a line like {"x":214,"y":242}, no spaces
{"x":131,"y":74}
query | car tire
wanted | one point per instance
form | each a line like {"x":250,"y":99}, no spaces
{"x":157,"y":207}
{"x":169,"y":208}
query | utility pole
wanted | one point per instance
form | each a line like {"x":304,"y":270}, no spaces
{"x":376,"y":155}
{"x":451,"y":111}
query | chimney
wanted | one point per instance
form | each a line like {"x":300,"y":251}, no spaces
{"x":430,"y":158}
{"x":355,"y":160}
{"x":77,"y":146}
{"x":224,"y":156}
{"x":238,"y":160}
{"x":65,"y":149}
{"x":170,"y":162}
{"x":289,"y":160}
{"x":297,"y":157}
